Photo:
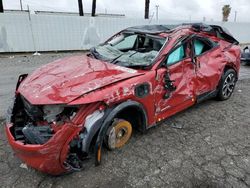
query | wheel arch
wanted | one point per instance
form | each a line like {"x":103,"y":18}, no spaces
{"x":120,"y":110}
{"x":227,"y":67}
{"x":135,"y":114}
{"x":220,"y":96}
{"x":126,"y":109}
{"x":230,"y":66}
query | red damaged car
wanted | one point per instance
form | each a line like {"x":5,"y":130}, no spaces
{"x":68,"y":109}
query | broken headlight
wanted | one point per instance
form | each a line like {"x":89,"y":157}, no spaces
{"x":51,"y":112}
{"x":33,"y":111}
{"x":55,"y":113}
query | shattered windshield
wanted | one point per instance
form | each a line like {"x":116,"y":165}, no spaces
{"x":130,"y":49}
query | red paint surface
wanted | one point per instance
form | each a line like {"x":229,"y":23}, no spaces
{"x":66,"y":79}
{"x":84,"y":80}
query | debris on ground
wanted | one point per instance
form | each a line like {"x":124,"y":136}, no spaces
{"x":24,"y":166}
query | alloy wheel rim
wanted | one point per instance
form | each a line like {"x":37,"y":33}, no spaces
{"x":228,"y":85}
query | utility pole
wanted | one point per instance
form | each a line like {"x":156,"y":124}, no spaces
{"x":80,"y":8}
{"x":93,"y":7}
{"x":1,"y":6}
{"x":157,"y":12}
{"x":235,"y":16}
{"x":146,"y":13}
{"x":21,"y":5}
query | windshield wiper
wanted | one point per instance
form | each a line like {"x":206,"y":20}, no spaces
{"x":113,"y":61}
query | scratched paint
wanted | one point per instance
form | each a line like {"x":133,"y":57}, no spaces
{"x":91,"y":84}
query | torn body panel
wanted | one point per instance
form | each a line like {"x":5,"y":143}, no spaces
{"x":52,"y":155}
{"x":47,"y":158}
{"x":170,"y":100}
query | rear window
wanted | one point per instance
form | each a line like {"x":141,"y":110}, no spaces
{"x":201,"y":46}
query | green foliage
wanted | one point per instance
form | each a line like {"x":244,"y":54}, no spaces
{"x":226,"y":10}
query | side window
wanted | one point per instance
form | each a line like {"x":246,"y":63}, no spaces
{"x":201,"y":46}
{"x":177,"y":55}
{"x":127,"y":43}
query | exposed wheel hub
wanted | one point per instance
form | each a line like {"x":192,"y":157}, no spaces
{"x":118,"y":134}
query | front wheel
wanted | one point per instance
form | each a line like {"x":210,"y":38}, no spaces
{"x":227,"y":85}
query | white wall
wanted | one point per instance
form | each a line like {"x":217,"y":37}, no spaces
{"x":21,"y":33}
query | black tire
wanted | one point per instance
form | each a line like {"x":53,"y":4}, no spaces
{"x":227,"y":85}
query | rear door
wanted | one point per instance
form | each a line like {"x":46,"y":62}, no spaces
{"x":208,"y":59}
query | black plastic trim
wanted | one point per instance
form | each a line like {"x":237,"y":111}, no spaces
{"x":207,"y":95}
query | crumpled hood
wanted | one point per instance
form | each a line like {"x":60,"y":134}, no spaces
{"x":66,"y":79}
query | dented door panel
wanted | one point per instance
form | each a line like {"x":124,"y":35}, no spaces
{"x":208,"y":70}
{"x":183,"y":76}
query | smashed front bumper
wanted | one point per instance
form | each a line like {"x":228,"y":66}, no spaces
{"x":65,"y":148}
{"x":53,"y":147}
{"x":50,"y":157}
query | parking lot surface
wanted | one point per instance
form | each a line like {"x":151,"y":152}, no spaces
{"x":207,"y":145}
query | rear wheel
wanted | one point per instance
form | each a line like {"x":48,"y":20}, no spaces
{"x":118,"y":134}
{"x":227,"y":85}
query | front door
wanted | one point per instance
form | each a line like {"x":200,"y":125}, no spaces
{"x":175,"y":82}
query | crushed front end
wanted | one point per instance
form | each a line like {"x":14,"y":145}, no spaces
{"x":50,"y":138}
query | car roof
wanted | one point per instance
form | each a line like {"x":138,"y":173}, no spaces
{"x":213,"y":30}
{"x":151,"y":29}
